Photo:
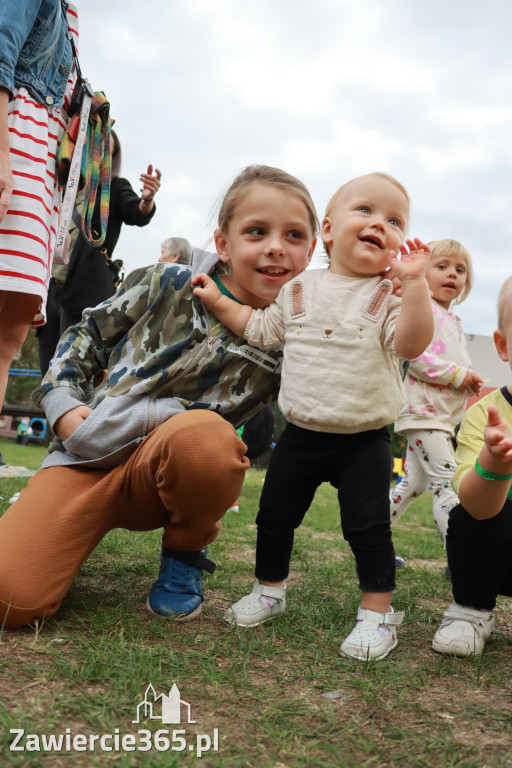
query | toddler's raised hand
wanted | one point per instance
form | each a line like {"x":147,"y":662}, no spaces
{"x":497,"y":436}
{"x":206,"y":290}
{"x":413,"y":261}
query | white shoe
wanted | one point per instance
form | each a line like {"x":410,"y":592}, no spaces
{"x":463,"y":630}
{"x":14,"y":498}
{"x":373,"y":636}
{"x":250,"y":612}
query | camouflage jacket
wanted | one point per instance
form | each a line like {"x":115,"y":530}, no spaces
{"x":163,"y":353}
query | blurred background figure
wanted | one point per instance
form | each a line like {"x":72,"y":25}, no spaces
{"x":176,"y":250}
{"x":92,"y":276}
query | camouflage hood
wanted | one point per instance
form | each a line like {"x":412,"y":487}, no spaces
{"x":162,"y":353}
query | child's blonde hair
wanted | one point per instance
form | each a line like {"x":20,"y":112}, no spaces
{"x":273,"y":177}
{"x":504,"y":296}
{"x":448,"y":247}
{"x":334,"y":199}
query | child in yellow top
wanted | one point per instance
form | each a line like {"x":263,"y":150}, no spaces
{"x":343,"y":332}
{"x":479,"y":539}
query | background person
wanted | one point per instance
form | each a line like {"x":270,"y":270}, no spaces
{"x":176,"y":250}
{"x":479,"y":538}
{"x":34,"y":94}
{"x":437,"y":385}
{"x":91,"y":276}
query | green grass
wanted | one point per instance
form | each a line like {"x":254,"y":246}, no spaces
{"x":263,"y":688}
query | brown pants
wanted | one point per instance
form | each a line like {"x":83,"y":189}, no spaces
{"x":183,"y":476}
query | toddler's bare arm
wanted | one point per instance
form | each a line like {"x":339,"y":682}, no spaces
{"x":415,"y":325}
{"x":234,"y":316}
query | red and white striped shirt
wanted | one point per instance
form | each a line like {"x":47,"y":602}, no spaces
{"x":28,"y":231}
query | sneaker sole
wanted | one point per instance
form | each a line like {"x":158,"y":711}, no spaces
{"x":450,"y":651}
{"x":232,"y":620}
{"x":179,"y":617}
{"x":366,"y":657}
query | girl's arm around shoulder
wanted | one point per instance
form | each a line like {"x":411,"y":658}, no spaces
{"x":85,"y":349}
{"x":415,"y":325}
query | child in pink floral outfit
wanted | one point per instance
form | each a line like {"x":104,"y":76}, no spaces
{"x":437,"y":384}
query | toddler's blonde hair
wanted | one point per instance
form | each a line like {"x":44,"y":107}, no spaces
{"x":504,"y":297}
{"x":334,"y":199}
{"x":448,"y":247}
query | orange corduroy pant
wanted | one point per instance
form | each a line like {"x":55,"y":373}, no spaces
{"x":183,"y":477}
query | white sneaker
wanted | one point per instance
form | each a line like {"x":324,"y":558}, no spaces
{"x":373,"y":636}
{"x":14,"y":498}
{"x":250,"y":611}
{"x":463,"y":630}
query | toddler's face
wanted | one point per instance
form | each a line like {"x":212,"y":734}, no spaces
{"x":446,"y":277}
{"x":269,"y":241}
{"x":367,"y":222}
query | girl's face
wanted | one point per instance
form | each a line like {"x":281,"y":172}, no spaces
{"x":269,"y":241}
{"x":446,"y":277}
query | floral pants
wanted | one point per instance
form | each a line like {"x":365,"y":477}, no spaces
{"x":430,"y":463}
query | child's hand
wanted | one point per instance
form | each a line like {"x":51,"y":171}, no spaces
{"x":497,"y":436}
{"x":473,"y":381}
{"x":206,"y":290}
{"x":413,"y":262}
{"x":68,"y":422}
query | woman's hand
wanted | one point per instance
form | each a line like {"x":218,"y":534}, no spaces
{"x":150,"y":185}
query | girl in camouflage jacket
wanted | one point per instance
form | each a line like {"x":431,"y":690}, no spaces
{"x":155,"y":445}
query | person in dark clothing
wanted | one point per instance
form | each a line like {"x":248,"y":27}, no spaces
{"x":91,"y":275}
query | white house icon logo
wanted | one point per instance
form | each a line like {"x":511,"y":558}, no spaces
{"x":170,"y":706}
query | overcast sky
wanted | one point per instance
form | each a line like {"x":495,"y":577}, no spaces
{"x":326,"y":90}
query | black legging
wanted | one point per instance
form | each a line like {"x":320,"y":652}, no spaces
{"x":480,"y":557}
{"x":359,"y":467}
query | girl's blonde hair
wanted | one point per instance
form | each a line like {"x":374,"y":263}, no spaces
{"x":447,"y":247}
{"x":273,"y":177}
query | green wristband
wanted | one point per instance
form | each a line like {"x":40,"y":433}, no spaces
{"x":490,"y":475}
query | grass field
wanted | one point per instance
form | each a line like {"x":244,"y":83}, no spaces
{"x":280,"y":695}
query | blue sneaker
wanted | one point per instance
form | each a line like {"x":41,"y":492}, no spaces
{"x":177,"y":592}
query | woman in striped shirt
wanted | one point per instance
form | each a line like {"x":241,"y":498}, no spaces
{"x":36,"y":80}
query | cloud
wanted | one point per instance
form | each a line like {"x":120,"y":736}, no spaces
{"x":327,"y":90}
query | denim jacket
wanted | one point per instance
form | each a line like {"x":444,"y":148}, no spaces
{"x":35,"y":51}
